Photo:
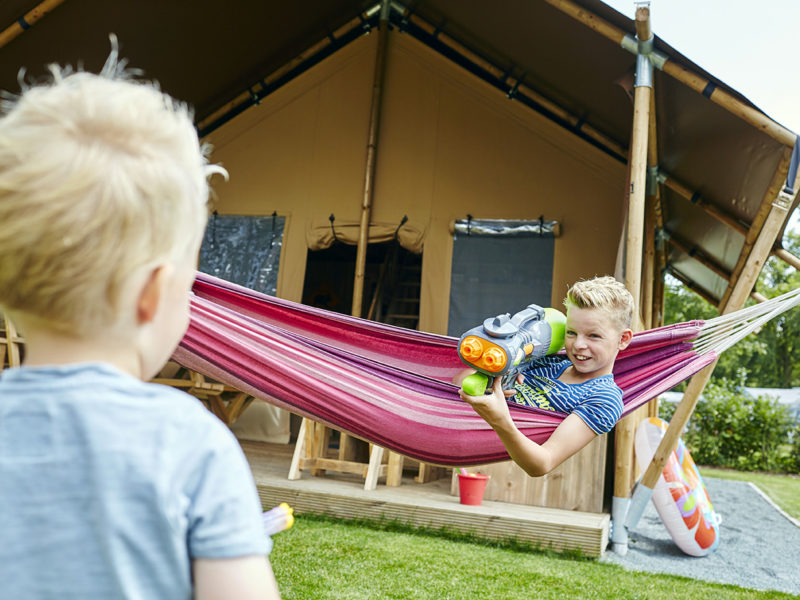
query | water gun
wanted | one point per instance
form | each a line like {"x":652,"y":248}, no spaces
{"x":504,"y":345}
{"x":278,"y":519}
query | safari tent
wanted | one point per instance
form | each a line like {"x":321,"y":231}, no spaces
{"x":434,"y":162}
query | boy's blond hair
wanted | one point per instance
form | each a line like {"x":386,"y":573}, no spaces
{"x":606,"y":294}
{"x":101,"y":177}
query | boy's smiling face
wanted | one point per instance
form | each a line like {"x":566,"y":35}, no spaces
{"x":592,"y":342}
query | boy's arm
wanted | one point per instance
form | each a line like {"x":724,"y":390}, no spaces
{"x":536,"y":459}
{"x":243,"y":578}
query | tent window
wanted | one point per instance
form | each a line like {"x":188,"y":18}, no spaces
{"x":499,"y":266}
{"x":244,"y":249}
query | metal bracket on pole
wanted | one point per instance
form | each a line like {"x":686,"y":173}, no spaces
{"x":640,"y":497}
{"x":632,"y":45}
{"x":652,"y":180}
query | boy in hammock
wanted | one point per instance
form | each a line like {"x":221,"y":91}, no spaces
{"x":111,"y":487}
{"x":599,"y":315}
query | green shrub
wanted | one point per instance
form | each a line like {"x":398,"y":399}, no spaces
{"x":793,"y":460}
{"x":731,"y":429}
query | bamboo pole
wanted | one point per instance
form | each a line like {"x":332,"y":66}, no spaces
{"x":759,"y":222}
{"x":576,"y":122}
{"x":345,"y":441}
{"x":683,"y":74}
{"x":723,"y":216}
{"x":717,"y":213}
{"x":649,"y":264}
{"x":704,"y":294}
{"x":624,"y":462}
{"x":652,"y":219}
{"x":699,"y":256}
{"x":28,"y":20}
{"x":372,"y":150}
{"x":787,"y":257}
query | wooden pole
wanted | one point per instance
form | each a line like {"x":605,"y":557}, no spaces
{"x":759,"y":221}
{"x":699,"y":256}
{"x":648,"y":268}
{"x":652,"y":219}
{"x":723,"y":217}
{"x":716,"y":212}
{"x":624,"y":432}
{"x":345,"y":442}
{"x":787,"y":257}
{"x":27,"y":21}
{"x":372,"y":150}
{"x":683,"y":74}
{"x":704,"y":294}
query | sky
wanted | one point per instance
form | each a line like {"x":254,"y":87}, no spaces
{"x":751,"y":45}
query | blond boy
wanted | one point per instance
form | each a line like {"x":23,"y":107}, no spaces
{"x":111,"y":487}
{"x":599,"y":314}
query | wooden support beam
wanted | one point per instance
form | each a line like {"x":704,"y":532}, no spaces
{"x":653,"y":221}
{"x":27,"y":20}
{"x":736,"y":299}
{"x":759,"y":223}
{"x":787,"y":257}
{"x":703,"y":293}
{"x":716,"y":212}
{"x":698,"y":255}
{"x":574,"y":121}
{"x":636,"y":192}
{"x":11,"y":344}
{"x":371,"y":161}
{"x":648,"y":265}
{"x":625,"y":428}
{"x":722,"y":216}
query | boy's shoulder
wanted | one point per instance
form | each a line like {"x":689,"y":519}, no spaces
{"x":99,"y":386}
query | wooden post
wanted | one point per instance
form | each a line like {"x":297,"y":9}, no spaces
{"x":624,"y":460}
{"x":10,"y":344}
{"x":652,"y":218}
{"x":773,"y":193}
{"x":24,"y":23}
{"x":787,"y":257}
{"x":697,"y":255}
{"x":372,"y":150}
{"x":345,"y":462}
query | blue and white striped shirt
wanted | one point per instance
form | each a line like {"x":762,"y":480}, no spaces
{"x":598,"y":402}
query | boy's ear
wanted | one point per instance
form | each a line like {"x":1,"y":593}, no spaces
{"x":150,"y":295}
{"x":627,"y":336}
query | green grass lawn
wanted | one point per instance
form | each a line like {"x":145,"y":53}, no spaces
{"x":784,"y":490}
{"x":322,"y":559}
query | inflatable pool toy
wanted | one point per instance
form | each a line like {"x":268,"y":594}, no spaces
{"x":680,"y":496}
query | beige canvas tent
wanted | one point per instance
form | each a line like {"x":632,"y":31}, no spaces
{"x":356,"y":123}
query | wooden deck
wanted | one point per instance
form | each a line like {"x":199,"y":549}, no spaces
{"x":421,"y":504}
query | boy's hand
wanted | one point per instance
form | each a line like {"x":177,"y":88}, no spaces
{"x":491,"y":407}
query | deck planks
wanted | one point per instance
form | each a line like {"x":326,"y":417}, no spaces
{"x":422,"y":505}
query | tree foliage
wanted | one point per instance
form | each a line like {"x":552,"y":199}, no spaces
{"x":769,"y":358}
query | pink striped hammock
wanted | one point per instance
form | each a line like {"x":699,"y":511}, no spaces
{"x":385,"y":384}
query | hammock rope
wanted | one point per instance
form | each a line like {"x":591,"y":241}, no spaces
{"x":391,"y":386}
{"x":720,"y":333}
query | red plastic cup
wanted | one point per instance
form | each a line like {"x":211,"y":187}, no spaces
{"x":471,"y":488}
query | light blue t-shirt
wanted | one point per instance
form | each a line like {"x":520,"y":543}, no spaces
{"x":109,"y":487}
{"x":598,"y":402}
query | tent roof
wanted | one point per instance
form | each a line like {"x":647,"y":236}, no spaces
{"x":208,"y":53}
